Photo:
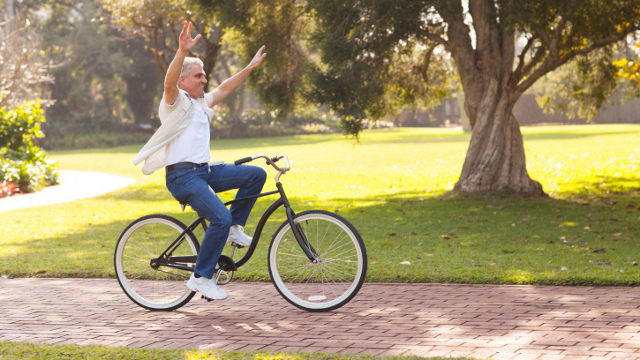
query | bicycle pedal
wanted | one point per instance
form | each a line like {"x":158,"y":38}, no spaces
{"x":206,"y":298}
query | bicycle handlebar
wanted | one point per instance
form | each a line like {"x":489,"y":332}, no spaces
{"x":270,"y":161}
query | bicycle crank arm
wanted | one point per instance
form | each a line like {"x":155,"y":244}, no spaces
{"x":182,"y":259}
{"x":176,"y":266}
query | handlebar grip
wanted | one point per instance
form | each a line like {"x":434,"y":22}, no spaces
{"x":243,"y":160}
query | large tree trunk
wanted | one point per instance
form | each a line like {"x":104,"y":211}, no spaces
{"x":235,"y":102}
{"x":140,"y":94}
{"x":495,"y":160}
{"x":143,"y":81}
{"x":236,"y":107}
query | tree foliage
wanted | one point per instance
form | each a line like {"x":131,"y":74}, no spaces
{"x":374,"y":65}
{"x":159,"y":23}
{"x":580,"y":88}
{"x":283,"y":26}
{"x":101,"y":82}
{"x":630,"y":69}
{"x":23,"y":64}
{"x":363,"y":41}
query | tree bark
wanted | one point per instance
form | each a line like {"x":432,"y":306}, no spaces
{"x":495,"y":160}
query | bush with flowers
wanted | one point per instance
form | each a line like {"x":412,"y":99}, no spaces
{"x":24,"y":167}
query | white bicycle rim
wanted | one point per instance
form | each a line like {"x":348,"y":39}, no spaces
{"x":125,"y":281}
{"x":282,"y":286}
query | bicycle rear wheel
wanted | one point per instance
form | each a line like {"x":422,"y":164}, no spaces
{"x":154,"y":287}
{"x":332,"y":281}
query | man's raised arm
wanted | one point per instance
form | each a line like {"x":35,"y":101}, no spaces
{"x":231,"y":84}
{"x":172,"y":77}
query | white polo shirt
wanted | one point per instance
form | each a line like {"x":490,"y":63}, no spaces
{"x":193,"y":144}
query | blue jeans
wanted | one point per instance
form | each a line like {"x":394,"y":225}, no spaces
{"x":198,"y":188}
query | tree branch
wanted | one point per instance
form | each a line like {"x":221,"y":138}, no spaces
{"x":523,"y":71}
{"x":176,"y":38}
{"x":423,"y":69}
{"x":516,"y":73}
{"x":507,"y":48}
{"x":458,"y":38}
{"x":433,"y":37}
{"x":154,"y":39}
{"x":553,"y":62}
{"x":482,"y":11}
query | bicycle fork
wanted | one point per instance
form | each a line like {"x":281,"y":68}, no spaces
{"x":301,"y":238}
{"x":304,"y":243}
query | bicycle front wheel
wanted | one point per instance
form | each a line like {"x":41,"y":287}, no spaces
{"x":338,"y":274}
{"x":147,"y":284}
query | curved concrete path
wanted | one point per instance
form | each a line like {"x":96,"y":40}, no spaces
{"x":498,"y":322}
{"x":74,"y":185}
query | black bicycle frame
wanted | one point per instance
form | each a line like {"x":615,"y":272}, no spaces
{"x":177,"y":262}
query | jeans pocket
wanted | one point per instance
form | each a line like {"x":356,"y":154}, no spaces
{"x":178,"y":174}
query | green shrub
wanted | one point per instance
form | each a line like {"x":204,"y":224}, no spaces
{"x":260,"y":123}
{"x":96,"y":140}
{"x":21,"y":161}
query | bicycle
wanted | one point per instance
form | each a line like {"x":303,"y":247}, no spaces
{"x":317,"y":259}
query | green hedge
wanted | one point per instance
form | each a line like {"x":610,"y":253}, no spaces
{"x":96,"y":140}
{"x":22,"y":163}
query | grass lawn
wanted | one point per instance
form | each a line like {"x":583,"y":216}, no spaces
{"x":393,"y":187}
{"x":24,"y":351}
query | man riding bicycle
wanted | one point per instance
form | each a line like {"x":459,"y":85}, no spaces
{"x":181,"y":146}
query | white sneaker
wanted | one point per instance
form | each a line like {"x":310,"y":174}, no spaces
{"x":206,"y":287}
{"x":237,"y":235}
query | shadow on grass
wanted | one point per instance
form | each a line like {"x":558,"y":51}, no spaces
{"x":160,"y":194}
{"x":89,"y":251}
{"x":497,"y":240}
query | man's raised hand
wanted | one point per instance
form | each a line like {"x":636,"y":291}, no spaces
{"x":257,"y":60}
{"x":186,"y":42}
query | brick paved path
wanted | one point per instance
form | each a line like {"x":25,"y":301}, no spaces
{"x":501,"y":322}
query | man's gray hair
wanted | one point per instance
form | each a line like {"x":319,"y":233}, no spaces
{"x":188,"y":62}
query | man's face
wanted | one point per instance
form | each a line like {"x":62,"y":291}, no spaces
{"x":195,"y":82}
